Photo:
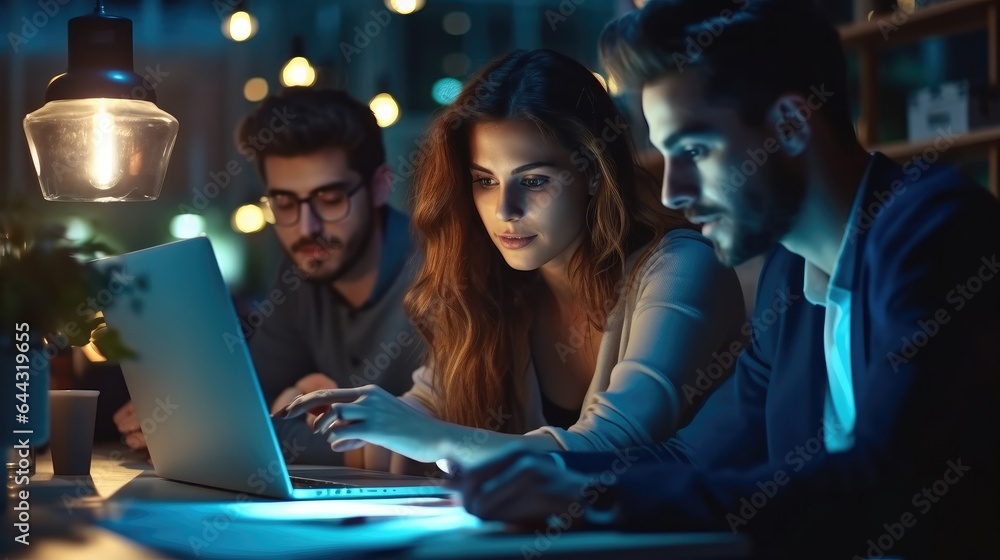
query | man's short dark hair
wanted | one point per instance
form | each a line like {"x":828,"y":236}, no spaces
{"x":751,"y":52}
{"x":299,"y":121}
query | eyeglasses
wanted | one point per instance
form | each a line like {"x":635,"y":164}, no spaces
{"x":329,"y":203}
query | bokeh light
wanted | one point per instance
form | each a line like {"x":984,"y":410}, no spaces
{"x":385,"y":108}
{"x":255,"y":89}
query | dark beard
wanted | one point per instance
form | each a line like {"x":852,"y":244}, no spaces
{"x":351,"y":259}
{"x":776,"y":212}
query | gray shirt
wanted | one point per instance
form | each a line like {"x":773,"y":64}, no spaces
{"x":681,"y":326}
{"x":313,"y":329}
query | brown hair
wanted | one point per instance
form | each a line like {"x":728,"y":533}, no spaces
{"x":300,"y":121}
{"x":471,"y":307}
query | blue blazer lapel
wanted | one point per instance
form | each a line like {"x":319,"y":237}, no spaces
{"x":883,"y":174}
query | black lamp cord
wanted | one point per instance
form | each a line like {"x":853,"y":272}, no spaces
{"x":99,"y":7}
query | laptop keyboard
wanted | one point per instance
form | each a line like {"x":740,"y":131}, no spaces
{"x":302,"y":482}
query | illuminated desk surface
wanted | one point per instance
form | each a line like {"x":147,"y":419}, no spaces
{"x":123,"y":510}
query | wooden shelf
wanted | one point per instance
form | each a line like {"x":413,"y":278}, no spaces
{"x":937,"y":19}
{"x":970,"y":141}
{"x":868,"y":38}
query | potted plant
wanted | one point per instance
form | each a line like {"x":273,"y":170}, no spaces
{"x":46,"y":306}
{"x":45,"y":281}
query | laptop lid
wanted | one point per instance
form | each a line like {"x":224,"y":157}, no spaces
{"x":196,"y":391}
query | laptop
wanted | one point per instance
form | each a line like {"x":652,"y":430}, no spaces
{"x":194,"y":386}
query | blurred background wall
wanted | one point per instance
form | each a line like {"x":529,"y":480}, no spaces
{"x":368,"y":47}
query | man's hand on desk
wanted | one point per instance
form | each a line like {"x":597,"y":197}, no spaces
{"x":128,"y":424}
{"x":530,"y":488}
{"x":308,"y":384}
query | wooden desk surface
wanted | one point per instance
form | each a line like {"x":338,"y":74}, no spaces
{"x":123,"y":510}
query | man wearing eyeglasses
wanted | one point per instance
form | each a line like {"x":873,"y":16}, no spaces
{"x":337,"y":317}
{"x":327,"y":187}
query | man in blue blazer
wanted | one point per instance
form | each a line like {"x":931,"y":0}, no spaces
{"x":859,"y":423}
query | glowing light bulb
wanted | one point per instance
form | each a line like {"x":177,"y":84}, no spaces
{"x":404,"y":6}
{"x":298,"y":72}
{"x":104,"y":171}
{"x":385,"y":108}
{"x":248,"y":218}
{"x":241,"y":26}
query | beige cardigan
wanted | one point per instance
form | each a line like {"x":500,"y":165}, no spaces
{"x":686,"y":313}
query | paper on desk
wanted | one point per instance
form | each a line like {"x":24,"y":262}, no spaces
{"x":297,"y":530}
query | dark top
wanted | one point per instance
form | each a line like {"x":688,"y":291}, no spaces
{"x":558,"y":416}
{"x":925,"y":326}
{"x":312,"y":329}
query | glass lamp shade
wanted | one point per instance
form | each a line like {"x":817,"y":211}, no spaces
{"x":101,"y":150}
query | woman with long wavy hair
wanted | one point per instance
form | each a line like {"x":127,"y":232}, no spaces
{"x":563,"y":306}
